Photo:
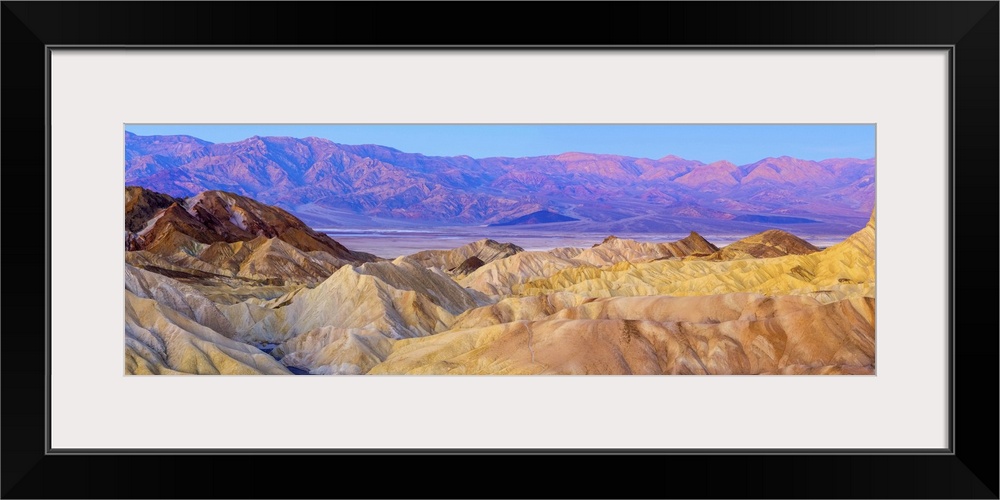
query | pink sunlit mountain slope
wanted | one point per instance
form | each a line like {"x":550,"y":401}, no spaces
{"x":332,"y":185}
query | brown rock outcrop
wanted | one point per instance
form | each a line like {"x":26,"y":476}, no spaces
{"x":771,"y":243}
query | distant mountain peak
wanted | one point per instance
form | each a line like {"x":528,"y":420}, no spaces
{"x":539,"y":217}
{"x":574,"y":156}
{"x":318,"y":178}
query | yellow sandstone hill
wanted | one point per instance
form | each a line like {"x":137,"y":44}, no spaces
{"x":796,"y":314}
{"x":346,"y":323}
{"x":485,"y":250}
{"x":171,"y":328}
{"x":200,"y":295}
{"x":343,"y":325}
{"x":498,"y":277}
{"x":501,"y":276}
{"x":162,"y":341}
{"x":846,"y":269}
{"x":720,"y":334}
{"x":613,"y":250}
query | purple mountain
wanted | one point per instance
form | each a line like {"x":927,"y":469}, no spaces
{"x":329,"y":184}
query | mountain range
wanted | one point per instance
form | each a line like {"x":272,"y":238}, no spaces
{"x":327,"y":184}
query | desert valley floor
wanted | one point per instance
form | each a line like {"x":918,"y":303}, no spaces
{"x":222,"y":284}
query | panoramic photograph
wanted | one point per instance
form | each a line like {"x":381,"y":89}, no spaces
{"x":499,"y":249}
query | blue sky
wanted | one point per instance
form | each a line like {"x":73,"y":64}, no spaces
{"x":740,"y":144}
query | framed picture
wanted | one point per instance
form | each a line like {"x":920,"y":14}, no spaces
{"x":908,"y":90}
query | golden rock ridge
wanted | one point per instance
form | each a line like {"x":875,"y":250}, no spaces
{"x":768,"y":304}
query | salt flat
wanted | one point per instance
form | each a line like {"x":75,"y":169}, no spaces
{"x":394,"y":243}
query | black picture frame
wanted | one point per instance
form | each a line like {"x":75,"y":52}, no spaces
{"x":969,"y":469}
